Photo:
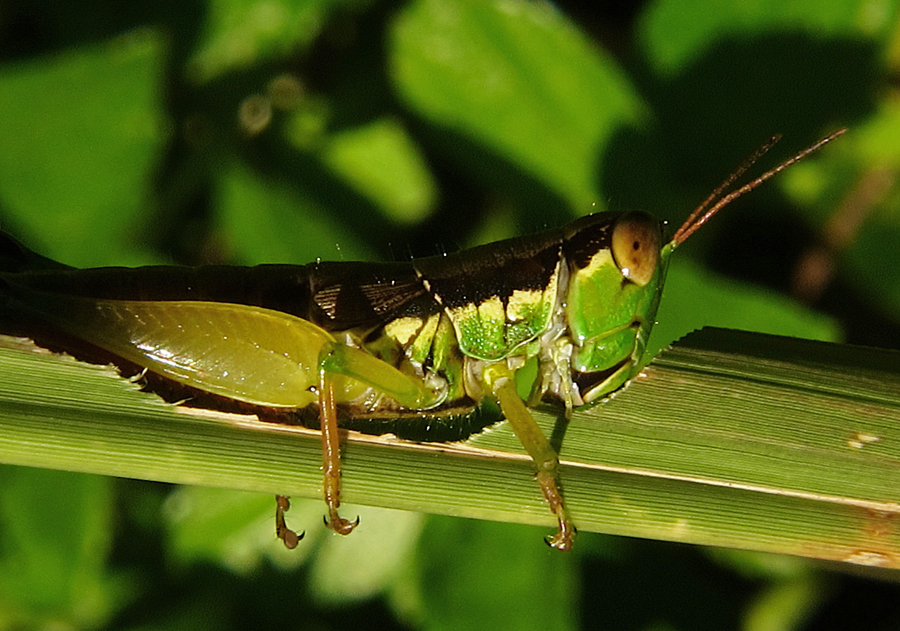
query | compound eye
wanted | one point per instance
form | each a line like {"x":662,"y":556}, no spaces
{"x":636,"y":242}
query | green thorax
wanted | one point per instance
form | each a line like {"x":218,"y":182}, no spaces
{"x":582,"y":299}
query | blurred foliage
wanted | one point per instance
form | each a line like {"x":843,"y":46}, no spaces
{"x":249,"y":131}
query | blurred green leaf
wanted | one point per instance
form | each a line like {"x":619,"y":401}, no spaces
{"x":519,"y":79}
{"x":53,"y":552}
{"x":81,"y":134}
{"x":873,"y":262}
{"x":675,"y":32}
{"x":230,"y":528}
{"x":241,"y":33}
{"x":381,"y":161}
{"x":275,"y":222}
{"x":694,"y":298}
{"x":478,"y":565}
{"x":370,"y":565}
{"x":785,"y":605}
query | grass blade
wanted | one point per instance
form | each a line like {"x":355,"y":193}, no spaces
{"x":728,"y":438}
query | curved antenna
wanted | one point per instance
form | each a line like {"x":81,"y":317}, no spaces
{"x":701,"y":214}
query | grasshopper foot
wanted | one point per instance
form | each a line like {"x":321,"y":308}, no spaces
{"x":565,"y":536}
{"x":288,"y":536}
{"x":340,"y":525}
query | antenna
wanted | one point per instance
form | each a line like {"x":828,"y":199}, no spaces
{"x":701,"y":214}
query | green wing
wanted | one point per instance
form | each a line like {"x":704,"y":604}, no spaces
{"x":250,"y":354}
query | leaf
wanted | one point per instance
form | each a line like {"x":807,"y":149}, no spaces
{"x":547,"y":594}
{"x":518,"y":79}
{"x":381,"y":161}
{"x":694,"y":298}
{"x":241,"y":33}
{"x":729,"y":439}
{"x":273,"y":222}
{"x":675,"y":31}
{"x":81,"y":131}
{"x":57,"y":531}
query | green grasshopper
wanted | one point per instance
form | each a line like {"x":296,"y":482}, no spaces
{"x":405,"y":348}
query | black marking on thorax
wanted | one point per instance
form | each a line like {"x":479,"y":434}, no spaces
{"x":587,"y":236}
{"x":493,"y":270}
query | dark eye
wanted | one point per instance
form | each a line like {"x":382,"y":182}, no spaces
{"x":635,"y":246}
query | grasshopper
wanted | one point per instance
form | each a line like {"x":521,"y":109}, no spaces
{"x":409,"y":348}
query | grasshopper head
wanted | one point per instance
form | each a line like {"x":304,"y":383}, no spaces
{"x":617,"y":268}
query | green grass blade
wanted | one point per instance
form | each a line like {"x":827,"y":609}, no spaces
{"x":728,"y":438}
